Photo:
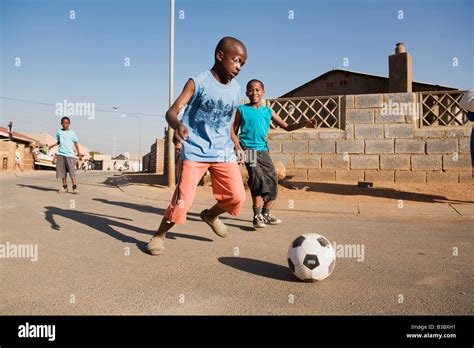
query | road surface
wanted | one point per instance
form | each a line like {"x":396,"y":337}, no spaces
{"x":91,"y":258}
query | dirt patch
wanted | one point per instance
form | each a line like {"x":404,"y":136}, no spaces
{"x":349,"y":192}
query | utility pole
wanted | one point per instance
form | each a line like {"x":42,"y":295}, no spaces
{"x":170,"y":132}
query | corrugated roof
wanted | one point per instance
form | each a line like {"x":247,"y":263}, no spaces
{"x":4,"y":132}
{"x":356,"y":73}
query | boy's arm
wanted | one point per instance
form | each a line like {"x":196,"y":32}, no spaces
{"x":56,"y":143}
{"x":181,"y":132}
{"x":235,"y":138}
{"x":78,"y":151}
{"x":311,"y":123}
{"x":235,"y":131}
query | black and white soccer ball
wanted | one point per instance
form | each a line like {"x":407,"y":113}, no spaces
{"x":311,"y":257}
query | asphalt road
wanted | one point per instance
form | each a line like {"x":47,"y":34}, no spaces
{"x":91,"y":258}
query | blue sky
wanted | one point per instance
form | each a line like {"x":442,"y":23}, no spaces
{"x":82,"y":60}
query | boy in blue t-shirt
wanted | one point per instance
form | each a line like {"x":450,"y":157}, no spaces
{"x":205,"y":136}
{"x":66,"y":160}
{"x":253,"y":120}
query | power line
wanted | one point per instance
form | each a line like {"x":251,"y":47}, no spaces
{"x":103,"y":110}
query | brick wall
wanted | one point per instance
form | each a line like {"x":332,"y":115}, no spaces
{"x":7,"y":155}
{"x":154,"y":161}
{"x":378,"y":143}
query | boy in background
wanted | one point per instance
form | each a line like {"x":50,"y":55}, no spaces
{"x":66,"y":158}
{"x":253,"y":121}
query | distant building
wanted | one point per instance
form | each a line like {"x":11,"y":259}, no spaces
{"x":8,"y":142}
{"x":122,"y":162}
{"x":42,"y":138}
{"x":346,"y":82}
{"x":154,"y":161}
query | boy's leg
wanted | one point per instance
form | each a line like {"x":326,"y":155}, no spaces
{"x":214,"y":212}
{"x":227,"y":187}
{"x":256,"y":201}
{"x":71,"y":165}
{"x":229,"y":192}
{"x":258,"y":220}
{"x":268,"y":205}
{"x":61,"y":173}
{"x":182,"y":200}
{"x":185,"y":191}
{"x":271,"y":187}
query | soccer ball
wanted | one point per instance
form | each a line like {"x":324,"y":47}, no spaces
{"x":467,"y":101}
{"x":311,"y":257}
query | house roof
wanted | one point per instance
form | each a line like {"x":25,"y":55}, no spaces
{"x":356,"y":73}
{"x":15,"y":135}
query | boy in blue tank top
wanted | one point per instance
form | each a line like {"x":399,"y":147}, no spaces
{"x":253,"y":121}
{"x":205,"y":137}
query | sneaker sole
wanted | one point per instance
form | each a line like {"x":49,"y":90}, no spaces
{"x":156,"y":252}
{"x":256,"y":226}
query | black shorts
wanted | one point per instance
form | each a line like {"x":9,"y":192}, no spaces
{"x":262,"y":180}
{"x":65,"y":165}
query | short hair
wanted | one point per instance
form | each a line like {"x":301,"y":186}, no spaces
{"x":65,"y":118}
{"x":226,"y":42}
{"x":255,"y":80}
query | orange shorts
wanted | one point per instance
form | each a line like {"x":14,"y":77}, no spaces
{"x":227,"y":187}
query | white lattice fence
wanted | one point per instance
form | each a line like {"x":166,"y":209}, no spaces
{"x":326,"y":110}
{"x":441,"y":109}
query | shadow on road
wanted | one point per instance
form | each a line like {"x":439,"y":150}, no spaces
{"x":354,"y":190}
{"x":260,"y":268}
{"x":142,"y":179}
{"x":40,"y":188}
{"x":104,"y":224}
{"x":159,"y":211}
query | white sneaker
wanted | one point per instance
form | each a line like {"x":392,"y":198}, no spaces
{"x":259,"y":221}
{"x":271,"y":220}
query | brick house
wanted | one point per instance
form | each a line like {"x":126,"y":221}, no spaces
{"x":8,"y":142}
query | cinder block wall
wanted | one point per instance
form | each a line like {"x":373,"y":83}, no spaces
{"x":375,"y":147}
